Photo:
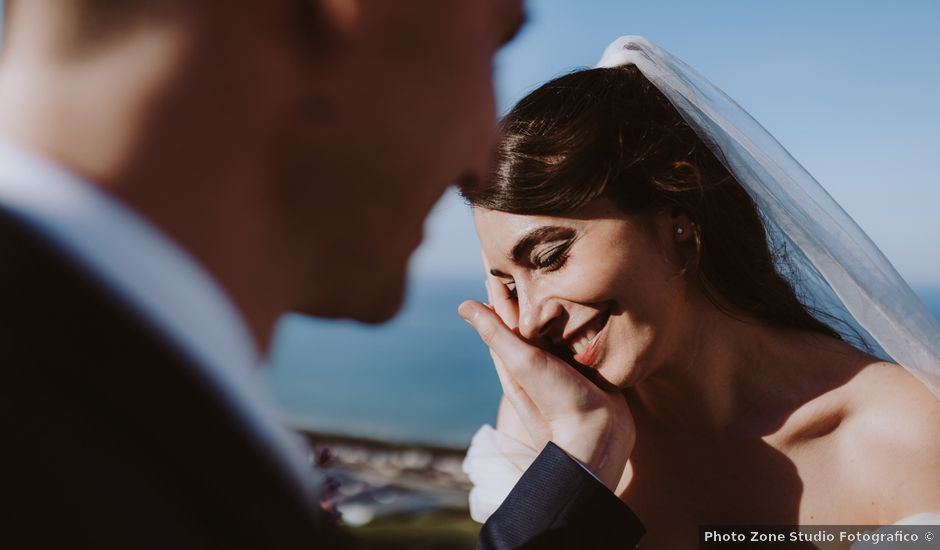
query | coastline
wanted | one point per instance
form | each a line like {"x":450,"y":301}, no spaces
{"x":379,"y":479}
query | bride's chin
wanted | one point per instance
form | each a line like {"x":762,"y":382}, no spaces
{"x":607,"y":379}
{"x":615,"y":377}
{"x":604,"y":375}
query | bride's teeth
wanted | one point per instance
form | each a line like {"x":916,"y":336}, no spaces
{"x":584,"y":342}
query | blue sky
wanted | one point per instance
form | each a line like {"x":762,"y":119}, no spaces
{"x":850,"y":88}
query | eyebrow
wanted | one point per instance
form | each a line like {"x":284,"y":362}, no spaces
{"x":523,"y":247}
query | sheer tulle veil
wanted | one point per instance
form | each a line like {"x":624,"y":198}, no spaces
{"x":838,"y":272}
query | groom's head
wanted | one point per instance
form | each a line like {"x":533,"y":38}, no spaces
{"x":308,"y":138}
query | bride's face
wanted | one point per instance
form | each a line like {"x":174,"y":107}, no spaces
{"x":598,"y":288}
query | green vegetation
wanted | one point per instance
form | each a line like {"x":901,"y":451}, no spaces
{"x":432,"y":531}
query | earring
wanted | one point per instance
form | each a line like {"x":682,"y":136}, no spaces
{"x":680,"y":230}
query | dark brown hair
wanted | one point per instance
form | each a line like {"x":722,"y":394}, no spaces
{"x":610,"y":133}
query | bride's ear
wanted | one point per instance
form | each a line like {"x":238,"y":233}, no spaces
{"x":678,"y":229}
{"x":682,"y":226}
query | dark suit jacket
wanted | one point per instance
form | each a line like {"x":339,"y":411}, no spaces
{"x":112,"y":440}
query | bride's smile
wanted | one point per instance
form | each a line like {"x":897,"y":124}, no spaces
{"x":599,"y":289}
{"x":586,"y":342}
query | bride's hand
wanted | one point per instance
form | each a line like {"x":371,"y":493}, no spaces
{"x":552,"y":399}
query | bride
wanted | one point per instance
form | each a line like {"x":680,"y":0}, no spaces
{"x":642,"y":228}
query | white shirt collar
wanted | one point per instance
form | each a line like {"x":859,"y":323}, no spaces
{"x":158,"y":278}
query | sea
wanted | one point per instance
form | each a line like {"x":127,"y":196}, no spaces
{"x":423,"y":378}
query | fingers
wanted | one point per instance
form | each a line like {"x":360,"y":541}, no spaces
{"x":487,"y":284}
{"x":515,"y":394}
{"x":517,"y":355}
{"x":534,"y":370}
{"x":521,"y":424}
{"x":524,"y":410}
{"x":502,"y":303}
{"x":498,"y":295}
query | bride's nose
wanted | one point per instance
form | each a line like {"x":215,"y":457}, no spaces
{"x":537,"y":314}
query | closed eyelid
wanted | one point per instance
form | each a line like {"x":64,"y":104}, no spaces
{"x":537,"y":237}
{"x":542,"y":239}
{"x":554,"y":255}
{"x":551,"y":247}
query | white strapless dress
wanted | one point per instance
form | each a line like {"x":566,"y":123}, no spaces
{"x":496,"y":461}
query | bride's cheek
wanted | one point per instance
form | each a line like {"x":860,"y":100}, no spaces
{"x":591,"y":282}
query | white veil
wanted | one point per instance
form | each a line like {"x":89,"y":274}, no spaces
{"x":837,"y":270}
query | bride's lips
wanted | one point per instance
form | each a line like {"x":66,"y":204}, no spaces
{"x":586,"y":343}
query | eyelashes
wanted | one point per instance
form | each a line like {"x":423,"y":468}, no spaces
{"x":552,"y":260}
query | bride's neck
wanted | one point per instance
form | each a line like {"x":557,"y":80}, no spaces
{"x":732,"y":376}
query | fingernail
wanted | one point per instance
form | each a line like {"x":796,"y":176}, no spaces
{"x":466,"y":312}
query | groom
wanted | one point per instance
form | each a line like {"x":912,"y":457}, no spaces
{"x":174,"y":176}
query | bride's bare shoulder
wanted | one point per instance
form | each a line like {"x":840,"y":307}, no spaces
{"x":882,"y":394}
{"x":889,"y":442}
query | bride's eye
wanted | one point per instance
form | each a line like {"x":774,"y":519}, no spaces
{"x":511,"y":287}
{"x":554,"y":258}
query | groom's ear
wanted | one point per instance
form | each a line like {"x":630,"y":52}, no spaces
{"x":327,"y":22}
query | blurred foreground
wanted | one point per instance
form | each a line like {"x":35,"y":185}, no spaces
{"x":394,"y":495}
